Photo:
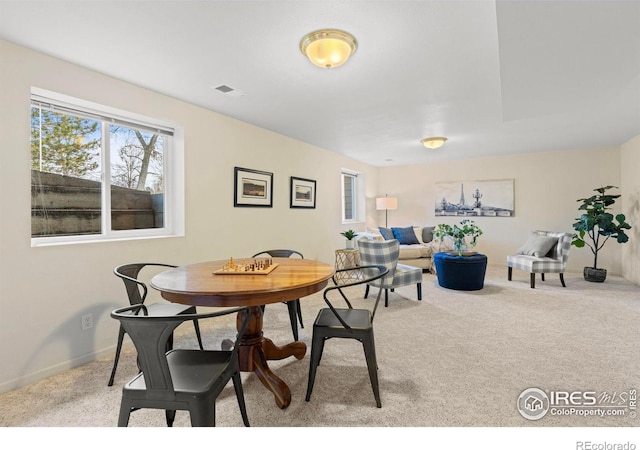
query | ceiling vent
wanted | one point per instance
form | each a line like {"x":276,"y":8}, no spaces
{"x":228,"y":90}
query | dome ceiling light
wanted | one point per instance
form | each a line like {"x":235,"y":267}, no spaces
{"x":328,"y":48}
{"x":434,"y":142}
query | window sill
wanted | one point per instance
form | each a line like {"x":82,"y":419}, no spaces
{"x":50,"y":242}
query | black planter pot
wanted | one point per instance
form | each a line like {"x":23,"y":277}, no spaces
{"x":595,"y":275}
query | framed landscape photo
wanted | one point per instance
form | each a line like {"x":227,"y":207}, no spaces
{"x":252,"y":188}
{"x":303,"y":193}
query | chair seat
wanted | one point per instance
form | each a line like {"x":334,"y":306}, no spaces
{"x":357,"y":319}
{"x":210,"y":365}
{"x":407,"y":275}
{"x":403,"y":275}
{"x":168,"y":309}
{"x":535,"y":264}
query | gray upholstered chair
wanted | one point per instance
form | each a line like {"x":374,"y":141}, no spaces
{"x":385,"y":253}
{"x":544,"y":252}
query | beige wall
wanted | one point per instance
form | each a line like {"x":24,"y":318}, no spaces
{"x":45,"y":290}
{"x":630,"y":163}
{"x":547,"y":185}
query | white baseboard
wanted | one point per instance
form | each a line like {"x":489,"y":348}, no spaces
{"x":33,"y":377}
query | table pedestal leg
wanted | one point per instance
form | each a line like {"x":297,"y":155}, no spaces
{"x":254,"y":350}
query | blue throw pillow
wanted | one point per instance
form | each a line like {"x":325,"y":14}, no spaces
{"x":386,"y":233}
{"x":405,"y":236}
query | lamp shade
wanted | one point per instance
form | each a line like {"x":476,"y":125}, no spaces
{"x":328,"y":48}
{"x":386,"y":203}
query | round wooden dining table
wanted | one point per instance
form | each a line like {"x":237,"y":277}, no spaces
{"x":292,"y":278}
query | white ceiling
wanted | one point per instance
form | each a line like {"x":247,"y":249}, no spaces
{"x":494,"y":77}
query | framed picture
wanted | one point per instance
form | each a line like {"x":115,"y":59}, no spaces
{"x":303,"y":193}
{"x":253,"y":188}
{"x":488,"y":198}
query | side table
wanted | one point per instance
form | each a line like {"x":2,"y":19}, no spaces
{"x":347,"y":258}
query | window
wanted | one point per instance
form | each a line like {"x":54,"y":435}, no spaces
{"x":349,"y":196}
{"x":98,"y":173}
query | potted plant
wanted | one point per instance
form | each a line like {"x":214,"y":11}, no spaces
{"x":459,"y":233}
{"x":349,"y":234}
{"x":596,"y":225}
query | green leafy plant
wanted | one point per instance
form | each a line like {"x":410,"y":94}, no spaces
{"x":349,"y":234}
{"x":595,"y":226}
{"x":467,"y":229}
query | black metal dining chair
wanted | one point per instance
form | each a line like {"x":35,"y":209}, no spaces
{"x":137,"y":294}
{"x":295,"y":312}
{"x":179,"y":379}
{"x":348,"y":323}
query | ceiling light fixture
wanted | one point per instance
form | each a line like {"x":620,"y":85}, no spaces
{"x":328,"y":48}
{"x":434,"y":142}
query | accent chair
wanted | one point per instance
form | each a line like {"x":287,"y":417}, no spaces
{"x":544,"y":252}
{"x":386,"y":253}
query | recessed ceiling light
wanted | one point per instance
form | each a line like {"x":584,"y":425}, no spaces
{"x":434,"y":142}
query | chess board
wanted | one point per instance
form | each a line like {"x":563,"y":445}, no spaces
{"x":240,"y":270}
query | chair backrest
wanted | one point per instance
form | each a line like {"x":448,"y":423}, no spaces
{"x":136,"y":289}
{"x":381,"y":253}
{"x":280,"y":253}
{"x":371,"y":273}
{"x":560,"y":251}
{"x":150,"y":335}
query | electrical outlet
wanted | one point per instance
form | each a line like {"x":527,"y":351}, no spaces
{"x":87,"y":321}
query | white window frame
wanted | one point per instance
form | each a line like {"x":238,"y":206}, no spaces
{"x":358,"y":196}
{"x":173,"y":166}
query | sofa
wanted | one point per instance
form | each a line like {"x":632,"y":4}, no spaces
{"x":417,"y":244}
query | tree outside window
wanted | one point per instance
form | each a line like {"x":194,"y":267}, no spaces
{"x":70,"y":156}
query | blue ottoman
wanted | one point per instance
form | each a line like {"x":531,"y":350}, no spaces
{"x":462,"y":273}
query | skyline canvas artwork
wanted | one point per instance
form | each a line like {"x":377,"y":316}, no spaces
{"x":490,"y":198}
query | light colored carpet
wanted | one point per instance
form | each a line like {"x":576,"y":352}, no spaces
{"x":454,"y":359}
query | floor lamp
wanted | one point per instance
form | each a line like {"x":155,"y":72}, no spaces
{"x":386,"y":203}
